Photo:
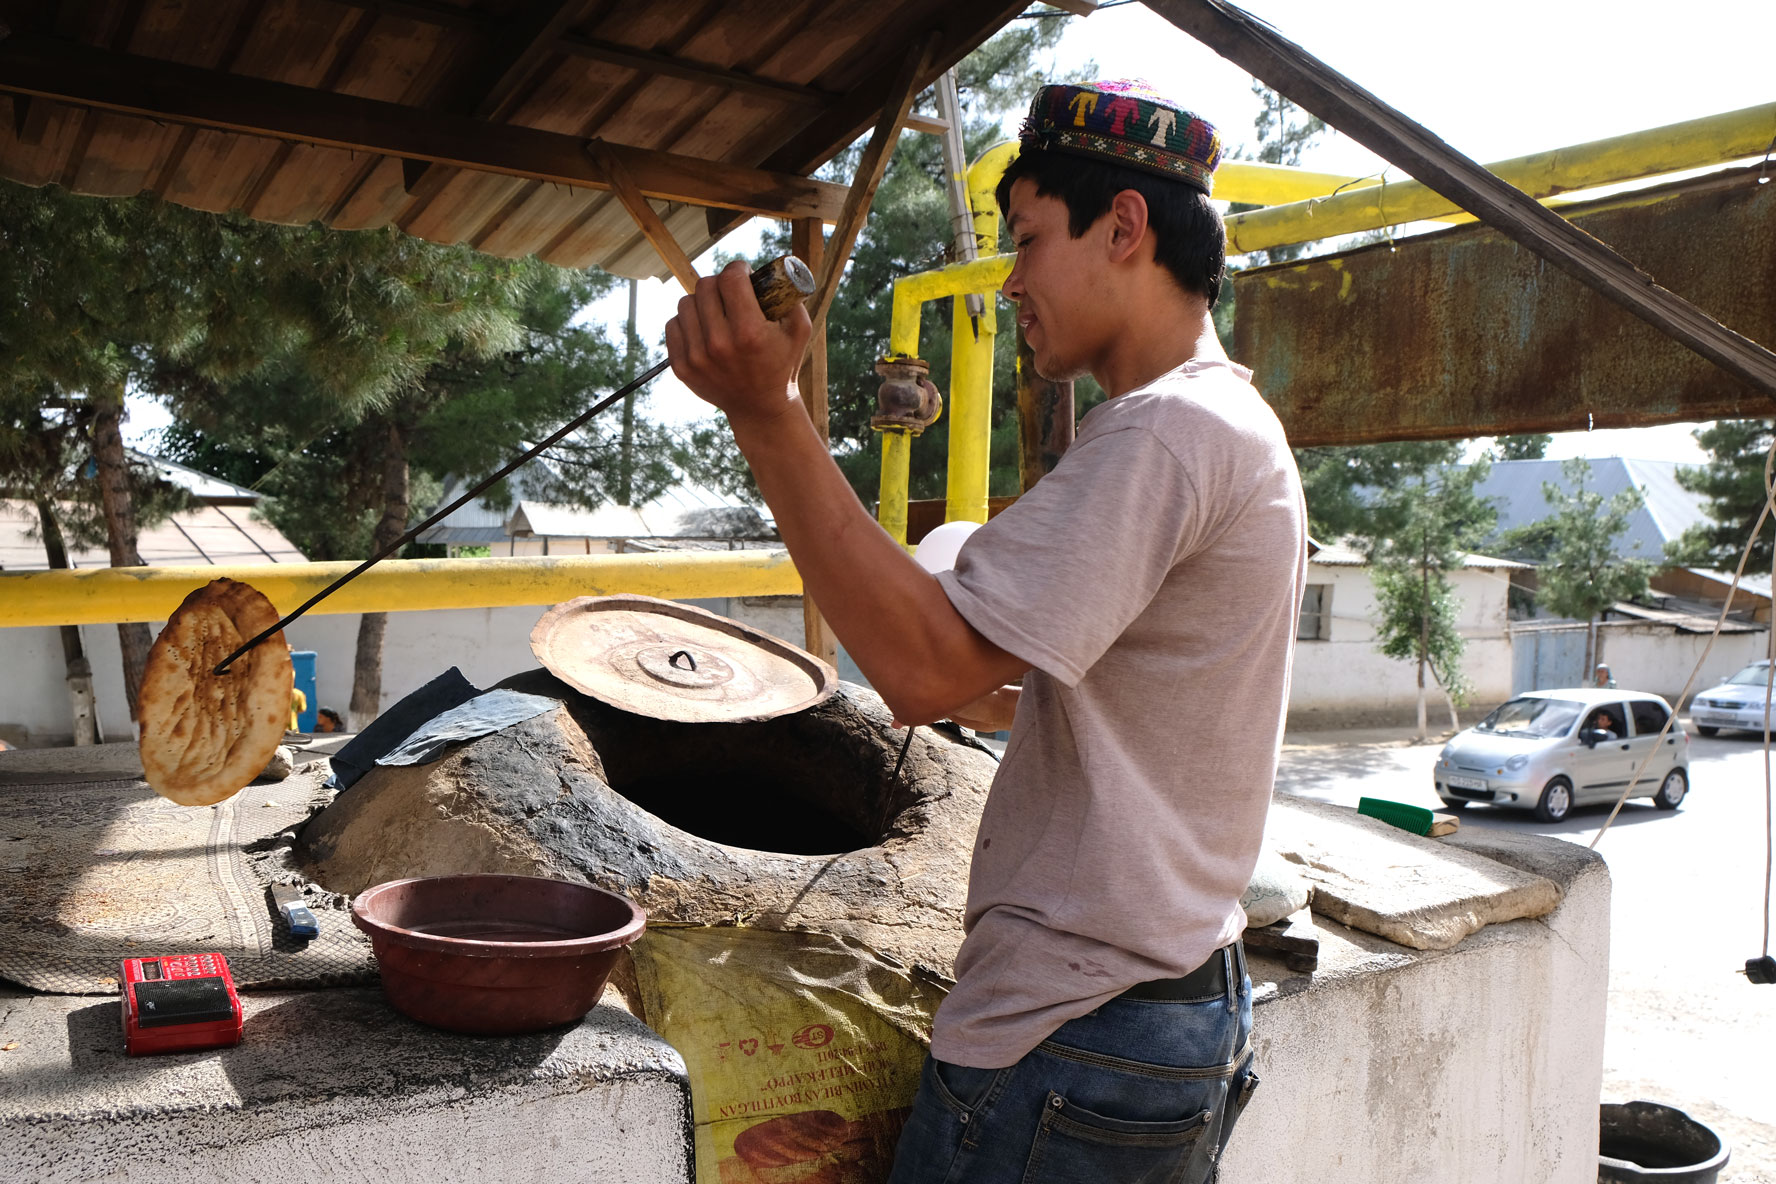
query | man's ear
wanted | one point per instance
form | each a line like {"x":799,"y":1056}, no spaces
{"x":1128,"y":224}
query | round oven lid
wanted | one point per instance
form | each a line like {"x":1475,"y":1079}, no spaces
{"x":675,"y":662}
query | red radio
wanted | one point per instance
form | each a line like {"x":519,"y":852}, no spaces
{"x":178,"y":1003}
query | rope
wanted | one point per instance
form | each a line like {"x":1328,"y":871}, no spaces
{"x":1769,"y":686}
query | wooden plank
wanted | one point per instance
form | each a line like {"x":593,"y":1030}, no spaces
{"x":869,"y":171}
{"x":520,"y":45}
{"x":524,"y":42}
{"x":1317,"y":88}
{"x":623,"y":184}
{"x":807,"y":241}
{"x":967,"y":24}
{"x":1294,"y":940}
{"x":115,"y":82}
{"x":689,"y":71}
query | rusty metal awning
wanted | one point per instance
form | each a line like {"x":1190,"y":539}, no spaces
{"x":1463,"y":332}
{"x":465,"y":120}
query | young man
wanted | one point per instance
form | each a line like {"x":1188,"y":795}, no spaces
{"x":1146,"y":591}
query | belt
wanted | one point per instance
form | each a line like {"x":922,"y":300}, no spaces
{"x":1208,"y":981}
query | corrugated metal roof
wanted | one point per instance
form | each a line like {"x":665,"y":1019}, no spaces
{"x":1335,"y":555}
{"x":362,"y":113}
{"x":1670,"y":509}
{"x":682,"y":511}
{"x":1682,"y":620}
{"x":212,"y":490}
{"x":206,"y":535}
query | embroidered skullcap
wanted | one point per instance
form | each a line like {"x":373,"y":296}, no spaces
{"x":1124,"y":121}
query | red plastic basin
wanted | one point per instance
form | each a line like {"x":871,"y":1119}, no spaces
{"x":495,"y":955}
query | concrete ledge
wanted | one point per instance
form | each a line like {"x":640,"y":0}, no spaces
{"x":1470,"y":1065}
{"x":334,"y":1085}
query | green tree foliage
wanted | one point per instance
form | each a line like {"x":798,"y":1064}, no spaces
{"x":1353,"y":489}
{"x":464,"y":414}
{"x":1533,"y":446}
{"x":908,"y":232}
{"x":345,"y":480}
{"x":1429,"y":522}
{"x":1581,"y":574}
{"x":324,"y":350}
{"x":1732,"y":486}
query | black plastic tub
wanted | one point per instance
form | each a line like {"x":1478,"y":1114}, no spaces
{"x":1641,"y":1141}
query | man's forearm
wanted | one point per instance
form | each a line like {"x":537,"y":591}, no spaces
{"x":896,"y":622}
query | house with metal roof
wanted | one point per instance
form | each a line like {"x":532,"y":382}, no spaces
{"x":220,"y":529}
{"x":685,"y":516}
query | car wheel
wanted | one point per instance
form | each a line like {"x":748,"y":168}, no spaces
{"x":1454,"y":803}
{"x":1556,"y":801}
{"x":1672,"y":790}
{"x":1706,"y":731}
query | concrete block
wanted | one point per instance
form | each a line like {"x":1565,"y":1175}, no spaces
{"x":1471,"y":1065}
{"x":335,"y":1086}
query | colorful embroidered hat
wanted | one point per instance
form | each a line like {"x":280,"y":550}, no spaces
{"x":1124,"y":121}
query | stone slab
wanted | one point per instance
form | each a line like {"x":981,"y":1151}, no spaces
{"x":335,"y":1085}
{"x":1427,"y":894}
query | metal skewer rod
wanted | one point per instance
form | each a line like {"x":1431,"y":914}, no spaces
{"x":780,"y":285}
{"x":645,"y":377}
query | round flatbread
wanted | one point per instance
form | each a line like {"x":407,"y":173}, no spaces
{"x":206,"y":735}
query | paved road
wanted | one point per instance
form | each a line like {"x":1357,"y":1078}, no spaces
{"x":1686,"y":904}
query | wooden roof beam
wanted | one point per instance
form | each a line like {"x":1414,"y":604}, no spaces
{"x":870,"y":167}
{"x":62,"y":71}
{"x":653,"y":228}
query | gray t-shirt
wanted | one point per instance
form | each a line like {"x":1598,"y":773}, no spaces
{"x":1153,"y":582}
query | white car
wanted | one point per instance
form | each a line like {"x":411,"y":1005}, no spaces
{"x":1552,"y":750}
{"x":1736,"y":703}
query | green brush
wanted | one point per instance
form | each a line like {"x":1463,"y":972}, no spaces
{"x":1416,"y":819}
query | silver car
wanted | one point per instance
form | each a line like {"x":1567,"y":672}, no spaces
{"x":1552,"y":750}
{"x":1736,"y":703}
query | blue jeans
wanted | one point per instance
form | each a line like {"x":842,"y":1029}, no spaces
{"x":1136,"y":1092}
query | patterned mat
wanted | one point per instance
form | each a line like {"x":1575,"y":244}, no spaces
{"x":94,"y":873}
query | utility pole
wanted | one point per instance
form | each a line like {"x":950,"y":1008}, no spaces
{"x":965,"y":247}
{"x":631,"y":365}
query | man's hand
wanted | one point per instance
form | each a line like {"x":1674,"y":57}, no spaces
{"x":728,"y":353}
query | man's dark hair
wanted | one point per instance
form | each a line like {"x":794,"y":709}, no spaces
{"x":1189,"y":239}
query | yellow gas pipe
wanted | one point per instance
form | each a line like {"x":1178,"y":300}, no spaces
{"x":970,"y":396}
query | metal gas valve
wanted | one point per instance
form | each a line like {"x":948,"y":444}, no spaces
{"x":906,"y":399}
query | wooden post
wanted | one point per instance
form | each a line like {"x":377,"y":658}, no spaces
{"x":808,"y":243}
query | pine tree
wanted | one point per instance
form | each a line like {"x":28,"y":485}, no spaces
{"x":1582,"y":574}
{"x":1732,"y":484}
{"x":103,"y":296}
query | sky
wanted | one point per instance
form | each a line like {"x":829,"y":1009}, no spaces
{"x":1499,"y":81}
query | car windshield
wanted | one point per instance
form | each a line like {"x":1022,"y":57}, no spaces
{"x":1751,"y":676}
{"x":1533,"y":717}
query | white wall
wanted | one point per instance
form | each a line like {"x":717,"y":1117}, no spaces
{"x":1649,"y":657}
{"x":1478,"y":1065}
{"x":487,"y":644}
{"x":1345,"y":673}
